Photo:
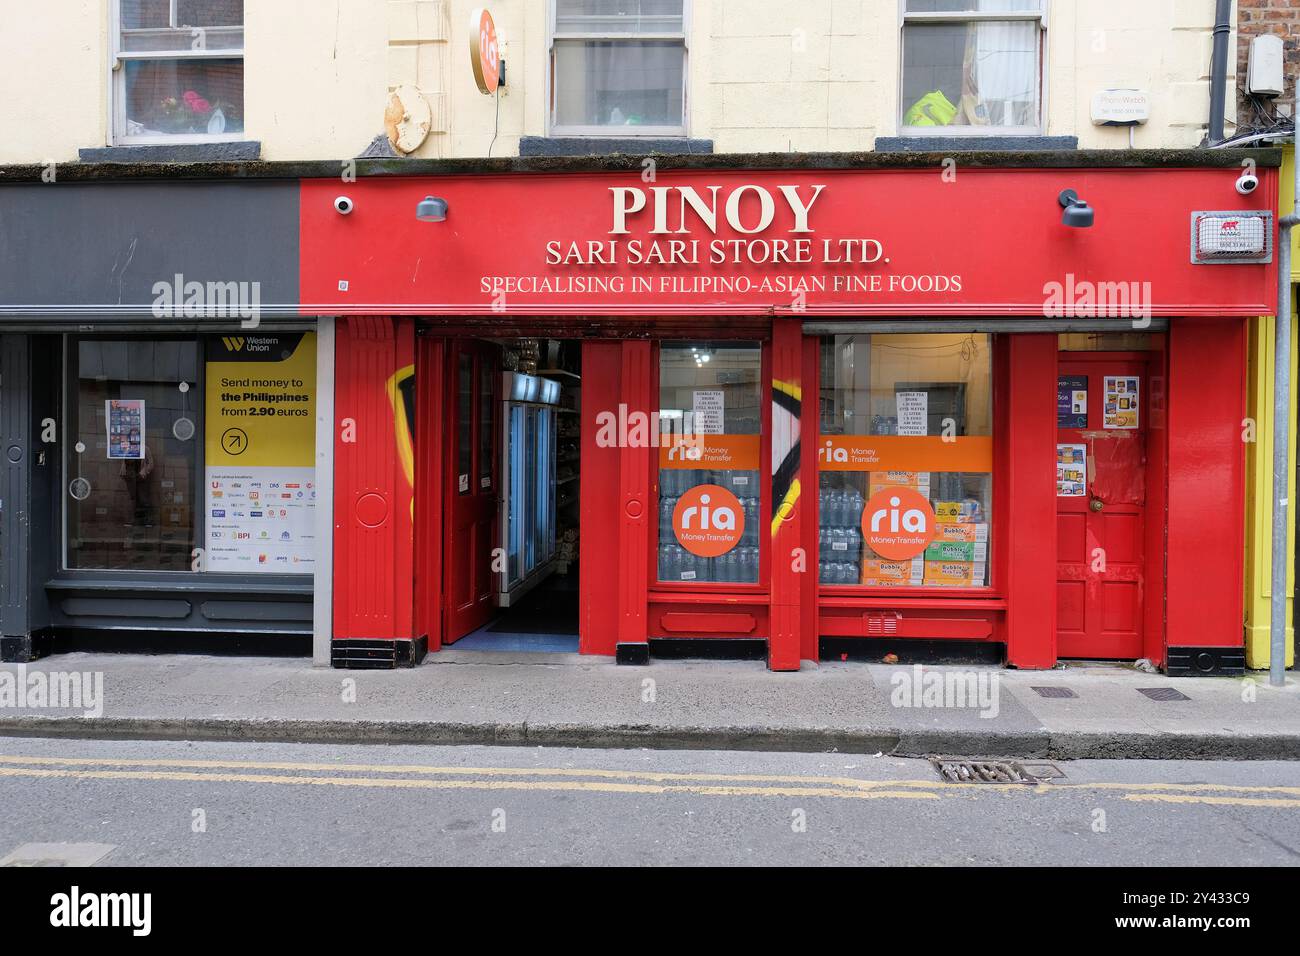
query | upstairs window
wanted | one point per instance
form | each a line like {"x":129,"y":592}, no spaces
{"x":618,"y":67}
{"x":178,"y":71}
{"x":972,"y":67}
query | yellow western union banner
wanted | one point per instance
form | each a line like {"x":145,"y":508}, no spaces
{"x":261,"y":453}
{"x":260,"y":400}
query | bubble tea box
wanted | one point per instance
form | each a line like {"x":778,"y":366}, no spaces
{"x":974,"y":532}
{"x":955,"y":574}
{"x":918,"y":481}
{"x":893,"y":574}
{"x":957,"y":551}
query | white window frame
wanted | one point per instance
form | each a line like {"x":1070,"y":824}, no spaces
{"x":617,"y":132}
{"x":117,"y":135}
{"x":1040,"y":16}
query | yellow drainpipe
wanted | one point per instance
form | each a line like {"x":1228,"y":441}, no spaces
{"x":1259,"y":465}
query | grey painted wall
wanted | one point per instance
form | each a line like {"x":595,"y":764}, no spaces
{"x":94,"y":244}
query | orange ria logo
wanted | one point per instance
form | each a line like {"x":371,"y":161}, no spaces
{"x":898,"y":523}
{"x":708,"y":521}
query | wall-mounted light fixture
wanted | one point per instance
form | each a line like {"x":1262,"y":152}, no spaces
{"x":1077,"y":212}
{"x":431,"y":209}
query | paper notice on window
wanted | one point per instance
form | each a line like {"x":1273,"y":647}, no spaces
{"x":1122,"y":402}
{"x":124,"y":419}
{"x":1072,"y":401}
{"x":913,"y":412}
{"x":1071,"y":471}
{"x":708,"y":410}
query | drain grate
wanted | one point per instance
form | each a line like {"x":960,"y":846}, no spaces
{"x":964,"y":770}
{"x":1043,"y":771}
{"x":1061,"y":692}
{"x":57,"y":854}
{"x":1163,"y":693}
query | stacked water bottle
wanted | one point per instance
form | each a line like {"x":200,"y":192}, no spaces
{"x":737,"y":566}
{"x":840,"y":537}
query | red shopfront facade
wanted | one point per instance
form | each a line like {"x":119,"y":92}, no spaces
{"x":929,"y":409}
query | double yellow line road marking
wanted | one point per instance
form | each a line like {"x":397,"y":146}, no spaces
{"x":419,"y":777}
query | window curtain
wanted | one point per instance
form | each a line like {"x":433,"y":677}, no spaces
{"x":1000,"y":68}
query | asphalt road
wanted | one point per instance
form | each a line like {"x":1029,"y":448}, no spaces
{"x":175,"y":803}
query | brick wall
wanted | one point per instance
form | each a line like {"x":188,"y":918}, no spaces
{"x":1256,"y":17}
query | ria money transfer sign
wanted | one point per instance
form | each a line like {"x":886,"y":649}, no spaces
{"x":261,"y":452}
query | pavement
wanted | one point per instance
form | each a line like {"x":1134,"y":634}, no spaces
{"x":565,"y":700}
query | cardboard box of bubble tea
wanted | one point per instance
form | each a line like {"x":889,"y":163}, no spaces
{"x":958,"y":574}
{"x":957,"y":551}
{"x":880,"y":573}
{"x":975,"y":531}
{"x":916,"y":480}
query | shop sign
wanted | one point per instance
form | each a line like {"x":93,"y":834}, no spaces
{"x":484,"y":50}
{"x":803,"y":243}
{"x":898,"y":523}
{"x":708,"y":521}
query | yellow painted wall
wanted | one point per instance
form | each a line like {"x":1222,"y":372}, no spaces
{"x":1286,"y":202}
{"x":1259,"y":500}
{"x":313,"y":76}
{"x":765,"y":75}
{"x":1259,"y":475}
{"x":53,"y":99}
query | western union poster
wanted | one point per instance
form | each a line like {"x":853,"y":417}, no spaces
{"x":261,"y":452}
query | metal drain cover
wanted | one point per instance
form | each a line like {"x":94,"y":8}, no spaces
{"x":966,"y":770}
{"x":57,"y":854}
{"x":1163,"y":693}
{"x":1043,"y":771}
{"x":1061,"y":692}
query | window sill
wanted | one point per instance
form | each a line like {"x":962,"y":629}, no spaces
{"x":181,"y":582}
{"x":1010,"y":142}
{"x":559,"y":145}
{"x":217,"y":152}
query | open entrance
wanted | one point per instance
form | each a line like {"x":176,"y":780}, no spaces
{"x":510,"y":495}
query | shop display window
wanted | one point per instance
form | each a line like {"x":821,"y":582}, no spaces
{"x":133,"y":465}
{"x":710,"y":420}
{"x":905,"y":467}
{"x":190,"y":454}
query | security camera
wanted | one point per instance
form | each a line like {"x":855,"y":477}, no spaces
{"x":343,"y":205}
{"x":1247,"y":183}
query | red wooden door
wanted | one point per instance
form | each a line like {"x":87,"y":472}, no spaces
{"x":1101,"y":504}
{"x":471,"y":470}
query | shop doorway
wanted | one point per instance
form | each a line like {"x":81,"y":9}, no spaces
{"x":512,"y":466}
{"x":1105,"y":407}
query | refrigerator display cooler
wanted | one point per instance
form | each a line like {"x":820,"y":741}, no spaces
{"x":528,"y":501}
